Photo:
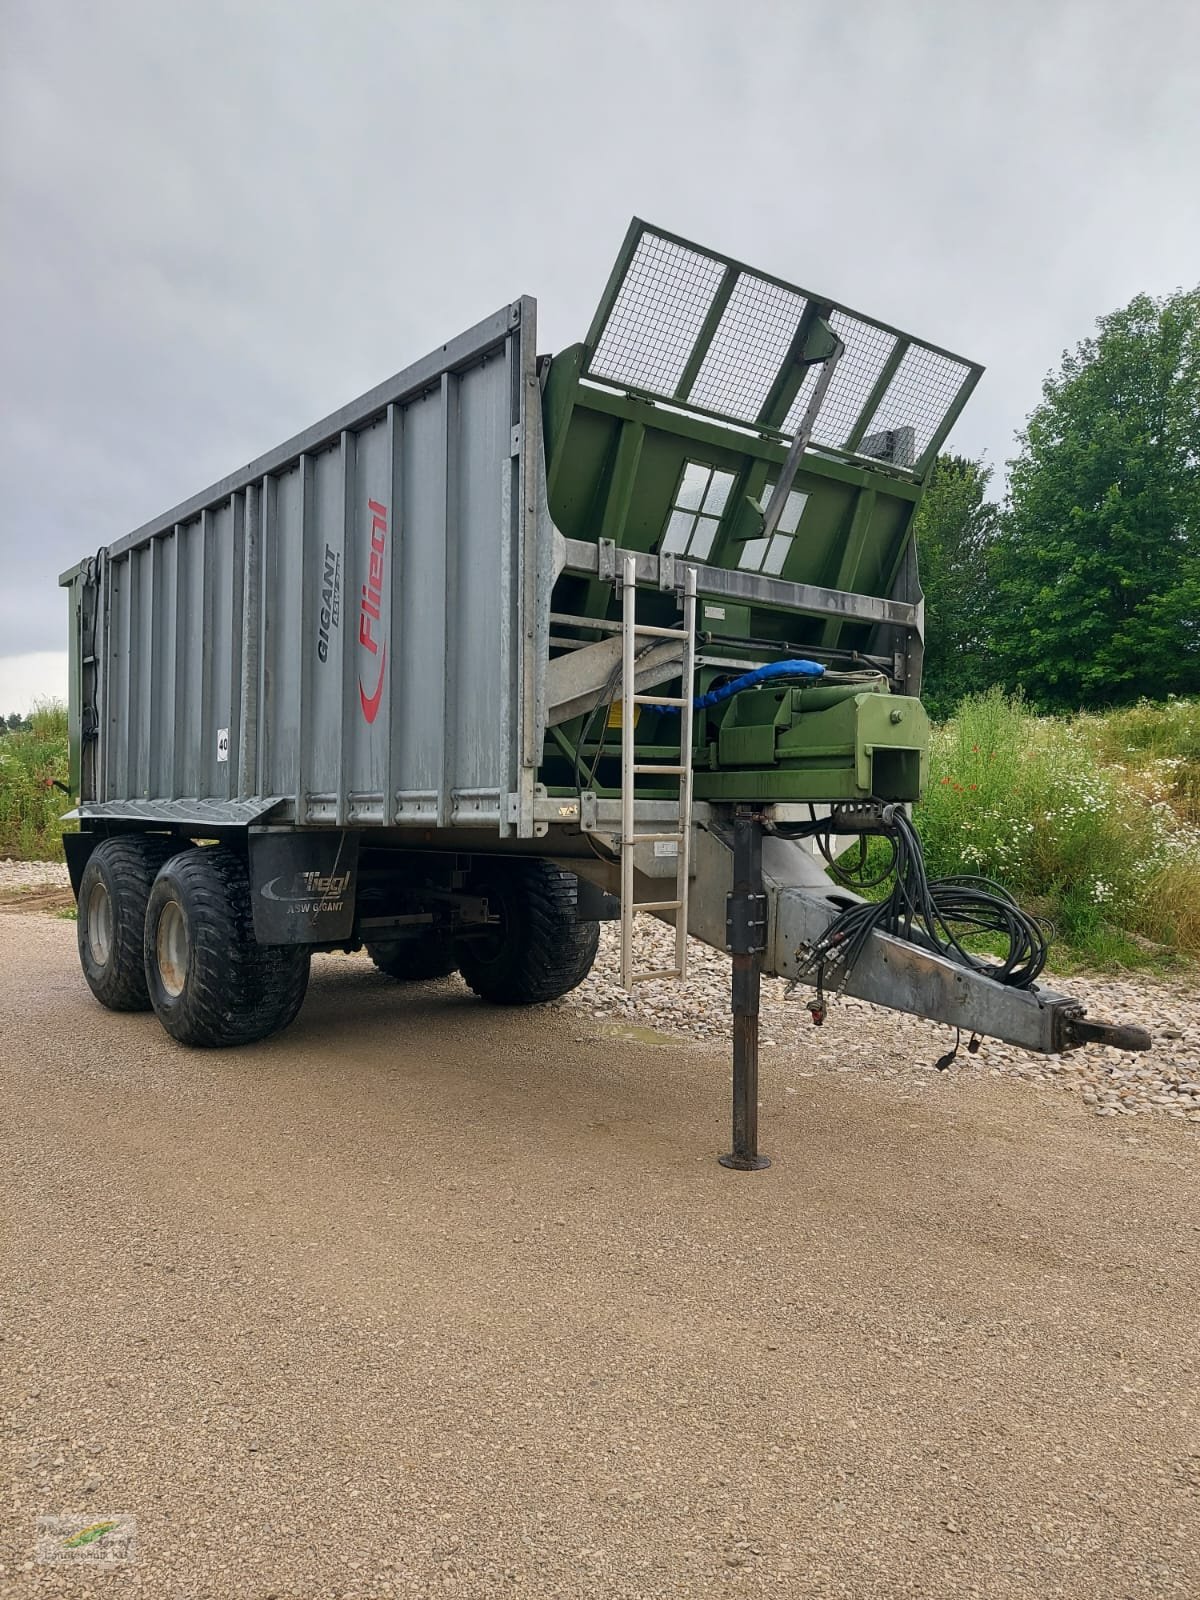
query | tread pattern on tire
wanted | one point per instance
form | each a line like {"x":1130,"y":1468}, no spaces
{"x":547,"y":951}
{"x":237,"y":991}
{"x":414,"y":960}
{"x":131,"y":863}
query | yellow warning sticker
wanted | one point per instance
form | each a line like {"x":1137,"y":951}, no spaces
{"x":614,"y":714}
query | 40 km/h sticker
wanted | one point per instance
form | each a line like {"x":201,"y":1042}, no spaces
{"x":222,"y":744}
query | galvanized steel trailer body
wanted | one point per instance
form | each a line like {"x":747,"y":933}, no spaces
{"x":384,"y":652}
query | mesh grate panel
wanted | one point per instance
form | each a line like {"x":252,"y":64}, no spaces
{"x":920,"y":394}
{"x":749,"y":347}
{"x":657,"y":319}
{"x":657,"y":315}
{"x":856,"y":374}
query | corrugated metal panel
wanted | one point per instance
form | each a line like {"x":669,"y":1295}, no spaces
{"x":345,"y":621}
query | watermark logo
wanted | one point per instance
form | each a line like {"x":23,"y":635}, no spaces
{"x":96,"y":1542}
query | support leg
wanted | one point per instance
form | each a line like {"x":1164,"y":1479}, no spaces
{"x":746,"y":925}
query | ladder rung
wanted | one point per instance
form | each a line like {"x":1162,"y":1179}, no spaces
{"x":649,"y":632}
{"x":659,"y":700}
{"x":647,"y":977}
{"x":651,"y":838}
{"x":658,"y":770}
{"x":656,"y":905}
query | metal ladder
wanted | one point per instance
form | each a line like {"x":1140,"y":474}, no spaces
{"x":631,"y":769}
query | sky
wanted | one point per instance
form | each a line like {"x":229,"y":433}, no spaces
{"x":220,"y":221}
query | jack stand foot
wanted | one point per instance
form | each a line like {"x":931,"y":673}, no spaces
{"x":746,"y":922}
{"x":744,"y":1163}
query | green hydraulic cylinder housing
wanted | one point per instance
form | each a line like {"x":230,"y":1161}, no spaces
{"x":702,"y":383}
{"x":830,"y":742}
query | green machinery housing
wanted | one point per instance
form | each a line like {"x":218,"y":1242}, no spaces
{"x":701,"y":384}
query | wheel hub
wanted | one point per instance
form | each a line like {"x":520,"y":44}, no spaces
{"x":99,"y":924}
{"x":172,"y":947}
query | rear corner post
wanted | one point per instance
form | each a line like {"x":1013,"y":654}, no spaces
{"x":746,"y":929}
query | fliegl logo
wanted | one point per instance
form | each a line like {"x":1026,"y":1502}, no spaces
{"x":309,"y":892}
{"x":372,"y":638}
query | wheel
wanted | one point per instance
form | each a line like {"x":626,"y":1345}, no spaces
{"x":539,"y":951}
{"x":113,"y":892}
{"x":211,"y":983}
{"x":414,"y":960}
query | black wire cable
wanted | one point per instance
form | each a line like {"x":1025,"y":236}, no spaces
{"x":854,"y":877}
{"x":604,"y":702}
{"x":936,"y":913}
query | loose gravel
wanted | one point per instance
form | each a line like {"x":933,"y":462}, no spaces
{"x":17,"y":875}
{"x":862,"y":1038}
{"x":427,"y":1298}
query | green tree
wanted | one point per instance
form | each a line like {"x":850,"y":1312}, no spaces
{"x":1097,"y":567}
{"x":955,"y":527}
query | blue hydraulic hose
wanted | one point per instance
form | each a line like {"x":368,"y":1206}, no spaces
{"x":750,"y":680}
{"x":763,"y":674}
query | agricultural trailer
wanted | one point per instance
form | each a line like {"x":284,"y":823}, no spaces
{"x":513,"y":644}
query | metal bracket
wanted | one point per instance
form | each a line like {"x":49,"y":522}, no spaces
{"x":607,"y":569}
{"x":866,"y":817}
{"x":746,"y":924}
{"x":594,"y":904}
{"x":791,"y":464}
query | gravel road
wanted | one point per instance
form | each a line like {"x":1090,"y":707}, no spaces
{"x":424,"y":1298}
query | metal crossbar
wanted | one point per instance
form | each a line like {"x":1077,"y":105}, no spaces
{"x":632,"y":769}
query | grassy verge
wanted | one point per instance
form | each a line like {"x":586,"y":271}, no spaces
{"x":30,"y":805}
{"x":1093,"y":822}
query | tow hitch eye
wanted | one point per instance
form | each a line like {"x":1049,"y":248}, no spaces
{"x":1120,"y":1035}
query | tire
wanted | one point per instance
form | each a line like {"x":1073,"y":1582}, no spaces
{"x":414,"y":960}
{"x":113,"y":892}
{"x":539,"y":951}
{"x":211,"y":983}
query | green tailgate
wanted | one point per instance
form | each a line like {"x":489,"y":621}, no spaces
{"x":666,"y":430}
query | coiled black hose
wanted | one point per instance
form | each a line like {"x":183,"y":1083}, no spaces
{"x":938,"y":913}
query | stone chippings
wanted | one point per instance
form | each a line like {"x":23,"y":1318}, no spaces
{"x":15,"y":875}
{"x":858,"y":1037}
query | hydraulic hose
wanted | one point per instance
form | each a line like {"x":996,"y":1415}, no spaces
{"x":938,"y":913}
{"x":807,"y":670}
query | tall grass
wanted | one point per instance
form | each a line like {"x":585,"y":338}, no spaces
{"x":1158,"y":745}
{"x":30,"y":805}
{"x":1081,"y":819}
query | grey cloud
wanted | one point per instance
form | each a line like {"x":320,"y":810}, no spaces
{"x":218,"y":221}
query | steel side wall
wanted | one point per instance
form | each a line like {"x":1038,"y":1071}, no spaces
{"x":212,"y":629}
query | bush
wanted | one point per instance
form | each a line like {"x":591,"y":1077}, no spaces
{"x":30,"y":805}
{"x":1048,"y":808}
